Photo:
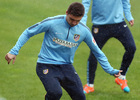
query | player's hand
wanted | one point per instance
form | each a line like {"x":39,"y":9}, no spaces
{"x":10,"y":57}
{"x":117,"y":75}
{"x":131,"y":22}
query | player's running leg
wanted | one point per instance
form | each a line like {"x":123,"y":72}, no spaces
{"x":101,"y":35}
{"x":125,"y":37}
{"x":48,"y":75}
{"x":72,"y":83}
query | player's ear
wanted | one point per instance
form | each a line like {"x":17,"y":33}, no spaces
{"x":66,"y":12}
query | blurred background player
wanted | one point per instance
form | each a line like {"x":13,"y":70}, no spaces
{"x":108,"y":21}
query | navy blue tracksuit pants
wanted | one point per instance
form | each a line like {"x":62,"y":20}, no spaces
{"x":102,"y":33}
{"x":55,"y":76}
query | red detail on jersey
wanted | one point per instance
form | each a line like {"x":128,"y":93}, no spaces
{"x":94,"y":41}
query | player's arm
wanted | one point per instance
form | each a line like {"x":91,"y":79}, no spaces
{"x":86,"y":4}
{"x":100,"y":56}
{"x":24,"y":37}
{"x":127,"y":11}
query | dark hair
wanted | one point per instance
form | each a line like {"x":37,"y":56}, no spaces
{"x":76,"y":9}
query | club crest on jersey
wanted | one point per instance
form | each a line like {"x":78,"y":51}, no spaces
{"x":45,"y":71}
{"x":96,"y":30}
{"x":76,"y":37}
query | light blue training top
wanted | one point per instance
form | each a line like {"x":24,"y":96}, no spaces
{"x":107,"y":11}
{"x":61,"y":42}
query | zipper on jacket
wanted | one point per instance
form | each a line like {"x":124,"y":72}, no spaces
{"x":68,"y":33}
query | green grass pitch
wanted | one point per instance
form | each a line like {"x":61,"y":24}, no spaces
{"x":20,"y":82}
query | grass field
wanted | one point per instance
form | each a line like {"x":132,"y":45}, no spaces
{"x":20,"y":82}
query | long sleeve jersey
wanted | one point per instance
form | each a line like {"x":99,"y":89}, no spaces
{"x":61,"y":42}
{"x":107,"y":11}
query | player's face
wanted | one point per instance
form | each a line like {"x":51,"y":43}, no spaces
{"x":73,"y":20}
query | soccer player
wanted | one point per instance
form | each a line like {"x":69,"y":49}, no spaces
{"x":63,"y":35}
{"x":109,"y":21}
